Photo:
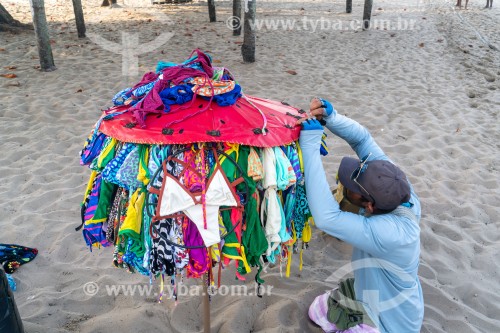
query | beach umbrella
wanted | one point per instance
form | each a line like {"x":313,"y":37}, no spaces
{"x":180,"y":107}
{"x":250,"y":121}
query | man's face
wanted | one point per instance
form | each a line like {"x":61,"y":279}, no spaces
{"x":355,"y":198}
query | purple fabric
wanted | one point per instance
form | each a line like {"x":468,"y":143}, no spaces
{"x":93,"y":199}
{"x":318,"y":312}
{"x":147,"y":78}
{"x":92,"y":149}
{"x":152,"y":103}
{"x":94,"y":234}
{"x":198,"y":258}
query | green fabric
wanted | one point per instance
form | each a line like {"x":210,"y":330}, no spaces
{"x":106,"y":197}
{"x":343,"y":308}
{"x":230,"y":170}
{"x":131,"y":229}
{"x":254,"y":238}
{"x":110,"y":154}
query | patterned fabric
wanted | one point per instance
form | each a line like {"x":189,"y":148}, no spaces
{"x":12,"y":256}
{"x":107,"y":153}
{"x":113,"y":217}
{"x":133,"y":260}
{"x":289,"y":208}
{"x":121,"y":97}
{"x":92,"y":148}
{"x":301,"y":210}
{"x":284,"y":171}
{"x":107,"y":193}
{"x":255,"y":169}
{"x":202,"y":86}
{"x":92,"y":200}
{"x":161,"y":257}
{"x":126,"y":175}
{"x":95,"y":235}
{"x":318,"y":313}
{"x":293,"y":157}
{"x":110,"y":171}
{"x":12,"y":282}
{"x":181,"y":255}
{"x":323,"y":149}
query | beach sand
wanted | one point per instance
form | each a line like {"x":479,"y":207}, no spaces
{"x":429,"y":95}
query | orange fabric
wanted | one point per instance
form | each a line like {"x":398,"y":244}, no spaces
{"x":202,"y":86}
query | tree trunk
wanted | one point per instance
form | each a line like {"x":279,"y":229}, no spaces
{"x":8,"y":23}
{"x":236,"y":17}
{"x":108,"y":3}
{"x":80,"y":21}
{"x":348,"y":6}
{"x":211,"y":10}
{"x":42,"y":35}
{"x":248,"y":47}
{"x":367,"y":14}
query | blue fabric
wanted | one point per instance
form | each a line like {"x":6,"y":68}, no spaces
{"x":228,"y":98}
{"x":323,"y":149}
{"x":143,"y":90}
{"x":165,"y":64}
{"x":125,"y":94}
{"x":12,"y":283}
{"x":111,"y":169}
{"x":92,"y":148}
{"x":122,"y":96}
{"x":176,"y":95}
{"x":377,"y":240}
{"x":133,"y":260}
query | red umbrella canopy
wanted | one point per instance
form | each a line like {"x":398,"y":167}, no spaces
{"x":250,"y":121}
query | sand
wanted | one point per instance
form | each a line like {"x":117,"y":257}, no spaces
{"x":430,"y":96}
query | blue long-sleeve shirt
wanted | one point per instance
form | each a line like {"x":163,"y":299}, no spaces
{"x":386,"y":247}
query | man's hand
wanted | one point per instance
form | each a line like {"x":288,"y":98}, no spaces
{"x":310,"y":124}
{"x":320,"y":108}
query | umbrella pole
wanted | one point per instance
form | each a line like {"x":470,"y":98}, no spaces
{"x":206,"y":306}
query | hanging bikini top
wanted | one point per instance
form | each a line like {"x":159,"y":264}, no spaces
{"x":176,"y":198}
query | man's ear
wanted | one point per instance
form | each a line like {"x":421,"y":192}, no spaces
{"x":369,"y":207}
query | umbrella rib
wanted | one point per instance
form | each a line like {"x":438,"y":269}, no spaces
{"x":260,"y":111}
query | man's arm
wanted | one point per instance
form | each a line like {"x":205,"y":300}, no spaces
{"x":351,"y":131}
{"x":374,"y":238}
{"x":355,"y":135}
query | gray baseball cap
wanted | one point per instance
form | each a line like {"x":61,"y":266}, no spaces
{"x":385,"y":183}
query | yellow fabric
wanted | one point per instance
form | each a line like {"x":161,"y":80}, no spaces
{"x":162,"y":285}
{"x":105,"y":152}
{"x":142,"y":175}
{"x":134,"y":213}
{"x":215,"y":253}
{"x":241,"y":257}
{"x":222,"y":227}
{"x":306,"y":238}
{"x":89,"y":185}
{"x":301,"y":161}
{"x":301,"y":262}
{"x":202,"y":86}
{"x":289,"y":263}
{"x":233,"y":148}
{"x":307,"y":232}
{"x":255,"y":168}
